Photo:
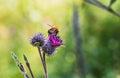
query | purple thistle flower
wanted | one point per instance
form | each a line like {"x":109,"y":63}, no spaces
{"x":48,"y":48}
{"x":37,"y":39}
{"x":55,"y":40}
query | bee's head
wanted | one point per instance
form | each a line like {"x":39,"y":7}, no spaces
{"x":53,"y":30}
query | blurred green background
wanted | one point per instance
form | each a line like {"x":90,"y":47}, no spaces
{"x":100,"y":30}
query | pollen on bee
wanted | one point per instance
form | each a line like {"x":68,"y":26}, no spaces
{"x":56,"y":27}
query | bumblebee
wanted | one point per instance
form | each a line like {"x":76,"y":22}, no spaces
{"x":53,"y":30}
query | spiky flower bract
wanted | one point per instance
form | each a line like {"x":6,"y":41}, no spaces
{"x":48,"y":48}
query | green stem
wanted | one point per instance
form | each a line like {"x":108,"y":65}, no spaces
{"x":43,"y":62}
{"x":28,"y":65}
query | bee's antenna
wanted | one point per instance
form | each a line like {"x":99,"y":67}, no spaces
{"x":50,"y":25}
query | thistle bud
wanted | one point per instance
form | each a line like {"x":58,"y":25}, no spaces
{"x":37,"y":39}
{"x":48,"y":48}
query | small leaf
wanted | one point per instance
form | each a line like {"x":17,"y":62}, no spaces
{"x":111,"y":2}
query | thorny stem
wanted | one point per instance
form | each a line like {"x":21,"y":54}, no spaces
{"x":22,"y":69}
{"x":78,"y":40}
{"x":100,"y":5}
{"x":25,"y":75}
{"x":20,"y":66}
{"x":43,"y":62}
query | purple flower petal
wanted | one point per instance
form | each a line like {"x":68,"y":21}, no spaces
{"x":55,"y":40}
